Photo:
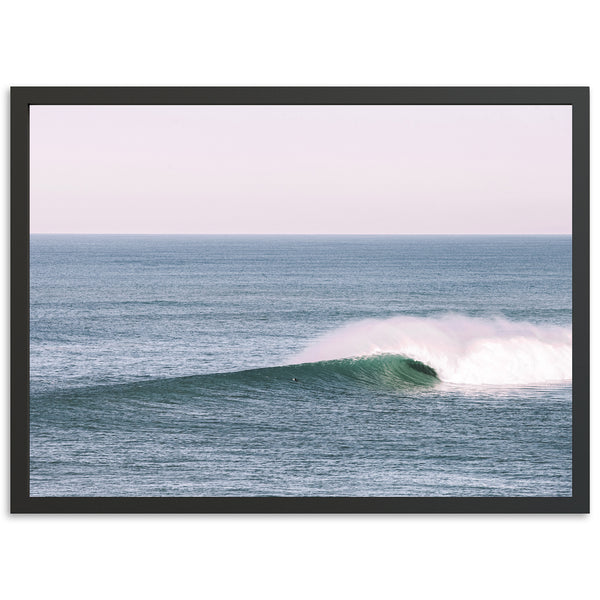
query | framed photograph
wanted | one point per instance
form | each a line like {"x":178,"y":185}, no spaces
{"x":319,"y":300}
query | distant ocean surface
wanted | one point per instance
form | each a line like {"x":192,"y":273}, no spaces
{"x":300,"y":365}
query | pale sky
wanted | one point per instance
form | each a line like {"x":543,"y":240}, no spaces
{"x":301,"y":169}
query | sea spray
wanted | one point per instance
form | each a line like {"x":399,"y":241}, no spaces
{"x":461,"y":349}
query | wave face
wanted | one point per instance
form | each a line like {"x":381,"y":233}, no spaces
{"x":381,"y":371}
{"x":460,"y":349}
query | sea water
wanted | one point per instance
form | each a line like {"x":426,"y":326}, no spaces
{"x":300,"y":365}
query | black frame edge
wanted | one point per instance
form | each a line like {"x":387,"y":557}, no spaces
{"x":305,"y":505}
{"x":19,"y":300}
{"x":301,"y":95}
{"x":581,"y":298}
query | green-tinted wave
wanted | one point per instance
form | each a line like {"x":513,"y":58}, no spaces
{"x":380,"y":370}
{"x":325,"y":379}
{"x":384,"y":370}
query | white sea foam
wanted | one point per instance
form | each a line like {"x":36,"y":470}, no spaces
{"x":461,"y":349}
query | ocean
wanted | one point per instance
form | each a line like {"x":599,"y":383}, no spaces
{"x":203,"y":365}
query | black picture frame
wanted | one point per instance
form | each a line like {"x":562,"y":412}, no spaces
{"x":23,"y":97}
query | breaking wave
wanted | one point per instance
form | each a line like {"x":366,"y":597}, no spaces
{"x":458,"y":349}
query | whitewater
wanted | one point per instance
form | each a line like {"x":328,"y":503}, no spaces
{"x":461,"y":349}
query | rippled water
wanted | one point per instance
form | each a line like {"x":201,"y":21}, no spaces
{"x":432,"y":365}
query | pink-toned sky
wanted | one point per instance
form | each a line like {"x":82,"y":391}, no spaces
{"x":301,"y":169}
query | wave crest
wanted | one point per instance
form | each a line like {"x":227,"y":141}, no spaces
{"x":463,"y":350}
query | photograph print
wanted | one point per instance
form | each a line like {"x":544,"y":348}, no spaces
{"x":272,"y":302}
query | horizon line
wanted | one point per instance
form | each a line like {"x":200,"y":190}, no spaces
{"x":283,"y":233}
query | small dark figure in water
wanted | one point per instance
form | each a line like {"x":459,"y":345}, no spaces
{"x":294,"y":379}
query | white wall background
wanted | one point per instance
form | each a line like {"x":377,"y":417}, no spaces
{"x":320,"y":42}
